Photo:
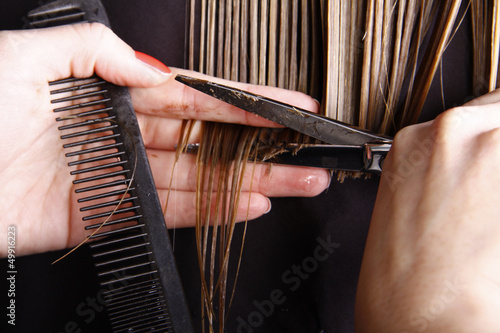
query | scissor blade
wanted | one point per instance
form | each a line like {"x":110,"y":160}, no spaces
{"x":333,"y":157}
{"x":309,"y":123}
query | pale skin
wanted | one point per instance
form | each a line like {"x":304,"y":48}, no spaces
{"x":433,"y":248}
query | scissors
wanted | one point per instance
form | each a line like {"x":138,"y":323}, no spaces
{"x":342,"y":147}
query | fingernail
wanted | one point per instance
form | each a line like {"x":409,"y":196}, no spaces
{"x":153,"y":62}
{"x":330,"y":177}
{"x":269,"y":206}
{"x":317,"y":103}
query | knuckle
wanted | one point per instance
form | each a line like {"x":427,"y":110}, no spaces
{"x":405,"y":138}
{"x":100,"y":32}
{"x":485,"y":154}
{"x":490,"y":140}
{"x":411,"y":151}
{"x":403,"y":134}
{"x":93,"y":34}
{"x":448,"y":124}
{"x":91,"y":37}
{"x":92,"y":30}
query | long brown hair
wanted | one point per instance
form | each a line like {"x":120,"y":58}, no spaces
{"x":371,"y":63}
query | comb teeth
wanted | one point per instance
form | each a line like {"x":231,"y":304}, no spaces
{"x":61,"y":12}
{"x":100,"y":154}
{"x":49,"y":18}
{"x":104,"y":183}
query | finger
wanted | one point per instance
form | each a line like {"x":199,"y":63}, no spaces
{"x":491,"y":97}
{"x":181,"y":213}
{"x":176,"y":100}
{"x":87,"y":49}
{"x":269,"y":180}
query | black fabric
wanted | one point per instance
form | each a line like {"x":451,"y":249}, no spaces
{"x":301,"y":261}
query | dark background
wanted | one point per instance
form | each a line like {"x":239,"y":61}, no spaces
{"x":57,"y":298}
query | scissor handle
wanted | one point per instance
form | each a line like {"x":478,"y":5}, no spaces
{"x":375,"y":153}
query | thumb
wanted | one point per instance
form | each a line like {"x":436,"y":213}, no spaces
{"x":84,"y":49}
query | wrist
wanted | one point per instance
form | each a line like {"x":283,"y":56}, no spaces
{"x":466,"y":304}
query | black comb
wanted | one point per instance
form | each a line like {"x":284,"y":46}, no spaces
{"x":113,"y":183}
{"x":63,"y":12}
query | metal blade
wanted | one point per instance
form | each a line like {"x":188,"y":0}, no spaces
{"x":309,"y":123}
{"x":349,"y":158}
{"x":333,"y":157}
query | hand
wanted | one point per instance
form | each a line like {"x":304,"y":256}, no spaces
{"x":36,"y":187}
{"x":160,"y":110}
{"x":432,"y":256}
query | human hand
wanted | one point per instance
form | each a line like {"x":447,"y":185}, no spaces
{"x":431,"y":261}
{"x":36,"y":188}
